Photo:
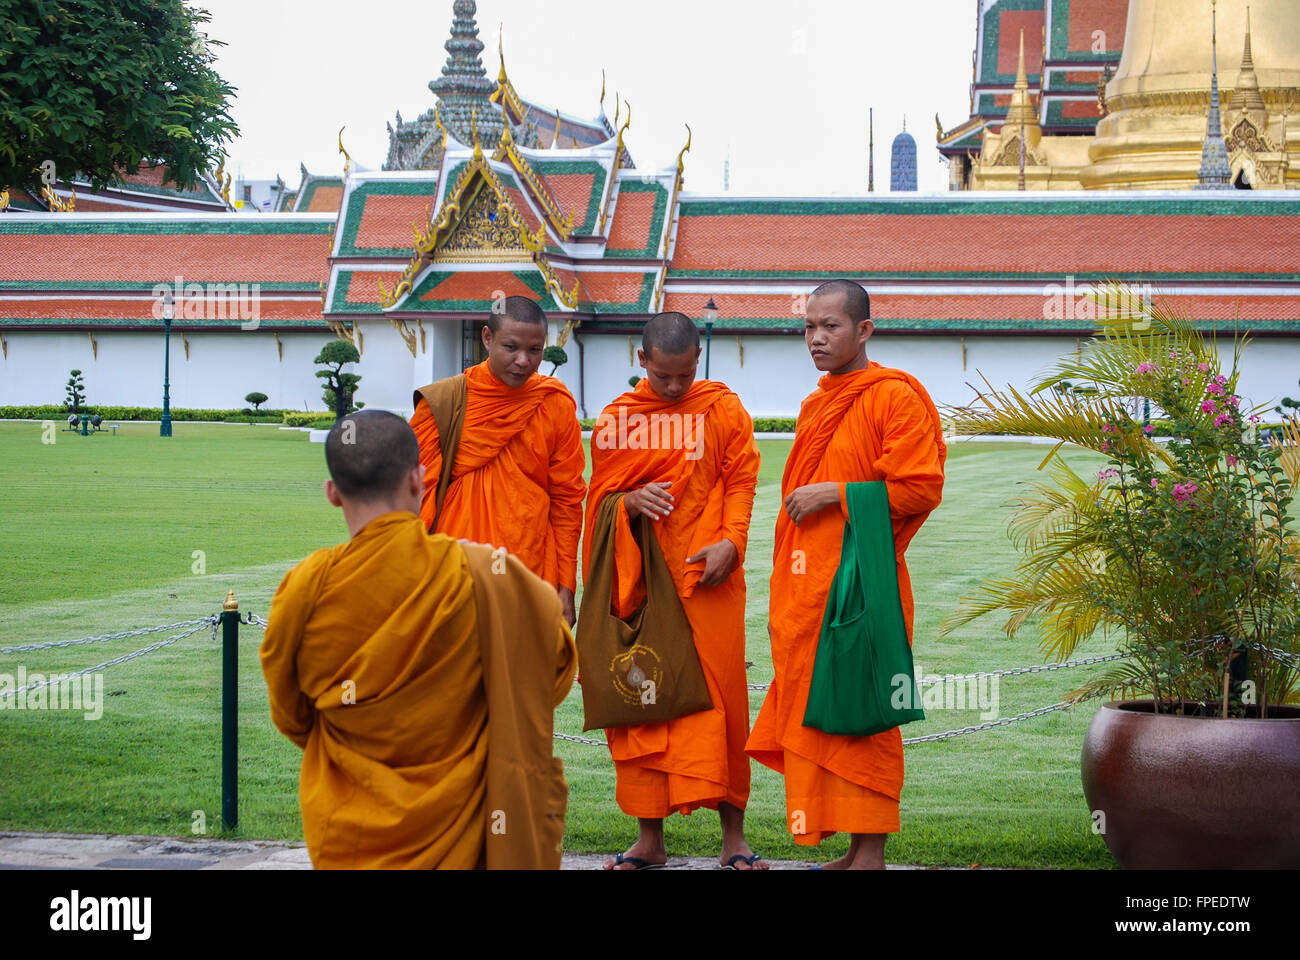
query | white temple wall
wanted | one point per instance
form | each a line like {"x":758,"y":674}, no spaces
{"x":775,"y":377}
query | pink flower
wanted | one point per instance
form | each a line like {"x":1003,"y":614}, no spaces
{"x":1186,"y":381}
{"x":1215,"y":389}
{"x":1107,"y":474}
{"x":1235,"y":401}
{"x":1222,"y":419}
{"x":1145,"y":368}
{"x":1221,"y":379}
{"x":1232,"y":461}
{"x":1105,"y":446}
{"x":1254,"y":418}
{"x":1149,"y":429}
{"x":1203,"y":367}
{"x":1109,"y":428}
{"x":1154,"y":483}
{"x":1184,"y":491}
{"x":1209,"y":406}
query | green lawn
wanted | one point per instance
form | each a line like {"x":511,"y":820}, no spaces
{"x":100,"y":535}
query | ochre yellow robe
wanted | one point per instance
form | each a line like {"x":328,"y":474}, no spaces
{"x":697,"y":760}
{"x":877,"y":424}
{"x":517,"y":482}
{"x":372,"y":662}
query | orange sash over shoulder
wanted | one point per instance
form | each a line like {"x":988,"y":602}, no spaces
{"x":517,"y":479}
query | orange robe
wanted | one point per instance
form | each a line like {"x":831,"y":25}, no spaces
{"x":869,"y":425}
{"x":697,"y":760}
{"x":518,"y":481}
{"x":372,"y":662}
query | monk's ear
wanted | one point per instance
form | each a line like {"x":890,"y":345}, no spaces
{"x":332,"y":494}
{"x":866,"y":329}
{"x":415,"y":481}
{"x":640,"y":355}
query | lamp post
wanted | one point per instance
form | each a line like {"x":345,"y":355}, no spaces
{"x":165,"y":428}
{"x":710,"y":315}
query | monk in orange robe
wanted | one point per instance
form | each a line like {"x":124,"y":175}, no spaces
{"x":682,"y":451}
{"x":864,"y":423}
{"x":419,"y":675}
{"x":517,"y":480}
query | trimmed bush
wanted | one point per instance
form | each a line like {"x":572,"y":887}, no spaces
{"x":126,"y":414}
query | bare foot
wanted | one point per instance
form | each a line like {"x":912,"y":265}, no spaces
{"x":742,"y":850}
{"x":652,"y":855}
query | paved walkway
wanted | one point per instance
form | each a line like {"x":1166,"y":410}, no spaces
{"x":78,"y":851}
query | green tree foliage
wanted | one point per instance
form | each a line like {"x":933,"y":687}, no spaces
{"x":556,"y":357}
{"x":97,"y":86}
{"x":76,"y":392}
{"x":340,"y":387}
{"x":256,"y":399}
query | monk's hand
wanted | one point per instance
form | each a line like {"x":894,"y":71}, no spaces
{"x":566,"y":605}
{"x":653,"y":500}
{"x":719,"y":560}
{"x":807,"y":500}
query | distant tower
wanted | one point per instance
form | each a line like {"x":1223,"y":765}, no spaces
{"x":902,"y":162}
{"x":871,"y":150}
{"x":1215,"y":174}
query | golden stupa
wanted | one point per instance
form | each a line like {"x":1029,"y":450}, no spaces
{"x":1157,"y":105}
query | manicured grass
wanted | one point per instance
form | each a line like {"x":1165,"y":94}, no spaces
{"x":99,"y":535}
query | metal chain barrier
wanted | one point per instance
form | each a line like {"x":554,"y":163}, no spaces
{"x":1014,"y":672}
{"x":255,"y":621}
{"x":52,"y":644}
{"x":60,"y":678}
{"x":958,"y":678}
{"x":1290,"y":659}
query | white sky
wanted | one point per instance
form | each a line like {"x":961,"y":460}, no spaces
{"x":785,"y":84}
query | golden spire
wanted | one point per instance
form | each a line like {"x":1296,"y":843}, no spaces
{"x":555,"y":143}
{"x":473,"y":126}
{"x":1246,"y":96}
{"x":1021,"y":116}
{"x":602,"y":89}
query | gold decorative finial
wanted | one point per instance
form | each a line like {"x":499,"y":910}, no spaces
{"x":225,"y":190}
{"x":231,"y":605}
{"x":555,"y":143}
{"x":685,"y":150}
{"x":347,"y":157}
{"x":938,"y":127}
{"x":501,"y":52}
{"x":4,"y":199}
{"x":437,"y":119}
{"x":617,"y":107}
{"x":473,"y":126}
{"x":602,"y":89}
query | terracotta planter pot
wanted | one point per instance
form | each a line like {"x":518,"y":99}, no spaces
{"x":1194,"y":792}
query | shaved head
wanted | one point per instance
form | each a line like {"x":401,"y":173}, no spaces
{"x":520,"y":309}
{"x":856,"y":302}
{"x":370,"y":454}
{"x":671,"y":334}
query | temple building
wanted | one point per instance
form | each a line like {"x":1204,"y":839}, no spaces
{"x":1114,"y":95}
{"x":488,"y":194}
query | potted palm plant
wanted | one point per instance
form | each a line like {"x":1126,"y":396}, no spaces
{"x":1183,"y":553}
